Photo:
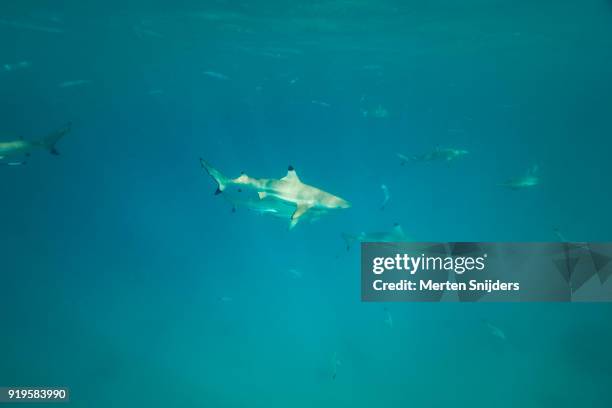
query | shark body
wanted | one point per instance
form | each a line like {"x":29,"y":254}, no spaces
{"x":396,"y":234}
{"x":287,"y":197}
{"x":386,"y":194}
{"x":11,"y":149}
{"x":439,"y":154}
{"x":530,"y":179}
{"x":240,"y":198}
{"x":495,"y":331}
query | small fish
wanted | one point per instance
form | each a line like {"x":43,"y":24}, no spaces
{"x":296,"y":274}
{"x":74,"y":83}
{"x":439,"y":154}
{"x":17,"y":66}
{"x":386,"y":196}
{"x":379,"y":112}
{"x":216,"y":75}
{"x":323,"y":104}
{"x":156,"y":92}
{"x":225,"y":299}
{"x":17,"y":163}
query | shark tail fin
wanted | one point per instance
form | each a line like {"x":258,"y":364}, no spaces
{"x":221,"y":180}
{"x":51,"y":140}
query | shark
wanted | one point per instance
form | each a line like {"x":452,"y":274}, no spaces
{"x":386,"y":194}
{"x":529,"y":179}
{"x":23,"y":147}
{"x":439,"y":154}
{"x":287,"y":197}
{"x":396,"y":234}
{"x":495,"y":331}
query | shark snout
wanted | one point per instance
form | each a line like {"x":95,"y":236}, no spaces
{"x":343,"y":203}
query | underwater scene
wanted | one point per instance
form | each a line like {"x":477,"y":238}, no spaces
{"x":186,"y":185}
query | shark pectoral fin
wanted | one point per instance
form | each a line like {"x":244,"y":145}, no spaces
{"x":299,"y":211}
{"x":262,"y":194}
{"x":293,"y":223}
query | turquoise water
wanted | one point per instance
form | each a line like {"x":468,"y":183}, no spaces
{"x":127,"y":280}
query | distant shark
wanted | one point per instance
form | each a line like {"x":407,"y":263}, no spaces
{"x":495,"y":331}
{"x":22,"y":147}
{"x":74,"y":83}
{"x":286,"y":197}
{"x":387,"y":196}
{"x":439,"y":154}
{"x":216,"y":75}
{"x":530,"y":179}
{"x":396,"y":234}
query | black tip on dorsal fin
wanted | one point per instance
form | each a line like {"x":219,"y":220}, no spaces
{"x":396,"y":224}
{"x":291,"y":168}
{"x":218,"y":191}
{"x":242,"y":173}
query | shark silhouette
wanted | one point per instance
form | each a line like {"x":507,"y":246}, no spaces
{"x":279,"y":196}
{"x":22,"y":147}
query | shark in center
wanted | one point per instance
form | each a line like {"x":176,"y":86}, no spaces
{"x":287,"y":197}
{"x":23,"y":148}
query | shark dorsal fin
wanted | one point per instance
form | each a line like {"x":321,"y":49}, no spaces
{"x":291,"y":175}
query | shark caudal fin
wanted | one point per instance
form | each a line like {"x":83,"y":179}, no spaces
{"x":221,"y":180}
{"x":51,"y":140}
